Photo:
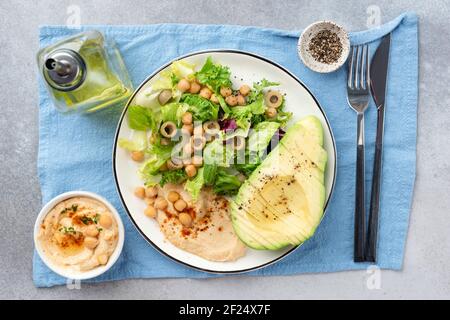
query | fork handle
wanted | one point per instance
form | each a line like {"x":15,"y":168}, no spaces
{"x":360,"y":215}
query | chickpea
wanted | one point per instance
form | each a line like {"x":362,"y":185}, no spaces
{"x":231,"y":100}
{"x":189,"y":128}
{"x":195,"y":87}
{"x":90,"y":242}
{"x":271,"y":112}
{"x":180,"y":205}
{"x":191,"y":170}
{"x":105,"y":221}
{"x":197,"y":160}
{"x":149,"y":201}
{"x":150,"y":212}
{"x":173,"y":196}
{"x":139,"y":192}
{"x":205,"y":93}
{"x":186,"y":118}
{"x":91,"y":231}
{"x":185,"y":219}
{"x":214,"y":98}
{"x":240,"y":100}
{"x":102,"y":259}
{"x":244,"y":90}
{"x":161,"y":203}
{"x":183,"y":85}
{"x":225,"y":92}
{"x":137,"y":156}
{"x":151,"y":192}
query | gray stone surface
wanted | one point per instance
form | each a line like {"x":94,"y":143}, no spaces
{"x":427,"y":262}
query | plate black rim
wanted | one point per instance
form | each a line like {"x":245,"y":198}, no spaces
{"x":116,"y":137}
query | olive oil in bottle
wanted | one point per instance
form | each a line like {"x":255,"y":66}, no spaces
{"x":85,"y":73}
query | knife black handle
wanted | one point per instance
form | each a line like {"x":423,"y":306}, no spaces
{"x":360,"y":212}
{"x":372,"y":236}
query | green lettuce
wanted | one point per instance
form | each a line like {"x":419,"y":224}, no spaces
{"x":195,"y":185}
{"x":244,"y":114}
{"x":158,"y":156}
{"x":138,"y":142}
{"x":214,"y":75}
{"x":172,"y":176}
{"x":202,"y":109}
{"x":258,"y":88}
{"x":226,"y":183}
{"x":209,"y":173}
{"x":141,"y":118}
{"x":260,"y":137}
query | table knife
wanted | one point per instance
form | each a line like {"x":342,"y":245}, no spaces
{"x":378,"y":85}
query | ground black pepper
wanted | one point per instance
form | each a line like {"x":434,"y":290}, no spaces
{"x":326,"y":47}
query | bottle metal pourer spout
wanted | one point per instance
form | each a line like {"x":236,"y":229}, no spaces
{"x":64,"y":69}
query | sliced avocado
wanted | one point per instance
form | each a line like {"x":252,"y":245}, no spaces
{"x":314,"y":128}
{"x":282,"y":202}
{"x":302,"y":142}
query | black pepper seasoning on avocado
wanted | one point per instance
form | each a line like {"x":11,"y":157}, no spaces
{"x":326,"y":47}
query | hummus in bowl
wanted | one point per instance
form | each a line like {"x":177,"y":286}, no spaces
{"x":79,"y":235}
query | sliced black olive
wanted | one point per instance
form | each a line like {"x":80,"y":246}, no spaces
{"x":168,"y":129}
{"x":164,"y":96}
{"x":274,"y":99}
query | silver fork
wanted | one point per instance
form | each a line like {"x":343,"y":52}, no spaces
{"x":358,"y":99}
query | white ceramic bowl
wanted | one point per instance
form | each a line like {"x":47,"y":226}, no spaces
{"x":82,"y":275}
{"x":309,"y":33}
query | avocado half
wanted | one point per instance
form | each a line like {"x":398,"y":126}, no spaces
{"x":282,"y":202}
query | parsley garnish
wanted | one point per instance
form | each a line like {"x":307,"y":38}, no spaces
{"x":67,"y":230}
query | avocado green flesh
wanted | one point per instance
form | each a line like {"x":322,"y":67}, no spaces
{"x":282,"y":202}
{"x":314,"y":128}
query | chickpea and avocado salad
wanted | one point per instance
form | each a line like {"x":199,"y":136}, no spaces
{"x":192,"y":127}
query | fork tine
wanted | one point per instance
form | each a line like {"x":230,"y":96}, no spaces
{"x":351,"y":68}
{"x":367,"y":68}
{"x":364,"y":63}
{"x":358,"y":67}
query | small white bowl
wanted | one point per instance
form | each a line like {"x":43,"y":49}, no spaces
{"x":82,"y":275}
{"x":309,"y":33}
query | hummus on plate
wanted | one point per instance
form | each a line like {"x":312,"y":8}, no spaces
{"x":79,"y":233}
{"x":203,"y":227}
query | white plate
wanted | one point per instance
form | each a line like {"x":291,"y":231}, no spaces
{"x":250,"y":68}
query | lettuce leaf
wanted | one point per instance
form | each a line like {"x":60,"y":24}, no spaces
{"x":214,"y":75}
{"x":216,"y":153}
{"x":158,"y":156}
{"x":226,"y":183}
{"x":258,"y":87}
{"x":202,"y":109}
{"x":209,"y":173}
{"x":140,"y":118}
{"x":137,"y":143}
{"x":195,"y":185}
{"x":172,"y":176}
{"x":244,"y":114}
{"x":260,"y":137}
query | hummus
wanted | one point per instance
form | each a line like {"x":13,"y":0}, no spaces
{"x":211,"y":235}
{"x":79,"y":233}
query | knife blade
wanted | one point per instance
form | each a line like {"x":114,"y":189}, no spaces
{"x":378,"y":85}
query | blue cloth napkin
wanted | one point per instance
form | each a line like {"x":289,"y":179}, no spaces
{"x":75,"y":150}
